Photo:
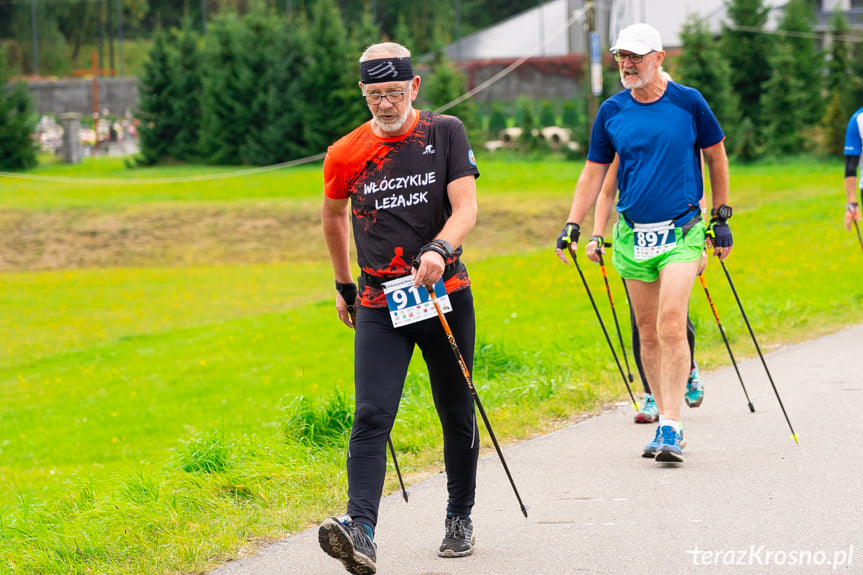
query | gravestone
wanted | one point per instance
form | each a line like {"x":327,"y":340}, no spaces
{"x":73,"y":152}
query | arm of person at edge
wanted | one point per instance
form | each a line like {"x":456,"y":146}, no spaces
{"x":851,"y":198}
{"x":462,"y":197}
{"x":334,"y":219}
{"x":587,"y":189}
{"x":717,"y":167}
{"x":602,"y":211}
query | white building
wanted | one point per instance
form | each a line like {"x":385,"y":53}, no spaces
{"x":556,"y":27}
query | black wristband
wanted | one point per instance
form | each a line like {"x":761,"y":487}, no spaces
{"x":346,"y":288}
{"x":600,"y":241}
{"x":433,"y":247}
{"x":852,"y":206}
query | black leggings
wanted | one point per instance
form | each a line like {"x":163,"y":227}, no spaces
{"x":382,"y":356}
{"x":636,"y":348}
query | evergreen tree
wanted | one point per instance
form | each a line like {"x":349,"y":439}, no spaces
{"x":853,"y":95}
{"x":747,"y":48}
{"x":445,"y":84}
{"x":402,"y":33}
{"x":702,"y":66}
{"x":838,"y":65}
{"x":841,"y":82}
{"x":855,"y":79}
{"x":17,"y":123}
{"x":807,"y":60}
{"x":185,"y":76}
{"x":53,"y":57}
{"x":497,"y":121}
{"x":442,"y":28}
{"x":329,"y":80}
{"x":225,"y":111}
{"x":785,"y":104}
{"x":546,"y":115}
{"x":570,"y":116}
{"x":834,"y":123}
{"x":258,"y":48}
{"x":528,"y":140}
{"x":155,"y":105}
{"x":747,"y":148}
{"x":365,"y":32}
{"x":280,"y":137}
{"x":363,"y":35}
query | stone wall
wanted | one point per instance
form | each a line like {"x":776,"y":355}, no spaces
{"x":544,"y":78}
{"x":541,"y":78}
{"x":117,"y":95}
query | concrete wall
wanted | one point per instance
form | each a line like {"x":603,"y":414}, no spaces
{"x":549,"y":78}
{"x":118,"y":95}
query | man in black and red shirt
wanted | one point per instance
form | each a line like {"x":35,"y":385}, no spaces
{"x":406,"y":181}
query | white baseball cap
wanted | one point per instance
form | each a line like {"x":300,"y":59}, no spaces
{"x":638,"y":39}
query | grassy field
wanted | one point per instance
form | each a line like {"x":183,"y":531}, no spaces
{"x":172,"y":370}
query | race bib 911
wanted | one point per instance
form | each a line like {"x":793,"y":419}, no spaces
{"x":654,"y":239}
{"x":408,"y":304}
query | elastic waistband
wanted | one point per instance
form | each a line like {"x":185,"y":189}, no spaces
{"x":376,"y":282}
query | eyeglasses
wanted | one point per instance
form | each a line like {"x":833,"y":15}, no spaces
{"x":392,"y":97}
{"x":634,"y":58}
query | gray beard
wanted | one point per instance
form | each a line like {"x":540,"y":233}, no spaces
{"x":643,"y":80}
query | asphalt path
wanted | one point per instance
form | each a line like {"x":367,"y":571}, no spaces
{"x":748,"y":499}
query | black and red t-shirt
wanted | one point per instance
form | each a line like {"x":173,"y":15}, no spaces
{"x":397,"y":188}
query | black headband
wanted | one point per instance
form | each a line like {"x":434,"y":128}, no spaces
{"x":386,"y":70}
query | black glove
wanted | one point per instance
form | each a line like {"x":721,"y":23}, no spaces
{"x":600,"y":242}
{"x":568,"y":236}
{"x":720,"y":232}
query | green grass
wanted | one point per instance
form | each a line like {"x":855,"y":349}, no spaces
{"x":157,"y":417}
{"x":106,"y":183}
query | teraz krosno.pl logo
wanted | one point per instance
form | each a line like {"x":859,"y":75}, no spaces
{"x":762,"y":555}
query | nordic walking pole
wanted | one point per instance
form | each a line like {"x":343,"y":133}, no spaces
{"x":758,"y":349}
{"x":725,"y":339}
{"x":613,"y":311}
{"x":398,"y":471}
{"x":859,"y":237}
{"x":466,"y":374}
{"x":602,"y":325}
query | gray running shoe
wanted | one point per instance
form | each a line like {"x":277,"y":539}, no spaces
{"x":459,"y":539}
{"x":348,"y":542}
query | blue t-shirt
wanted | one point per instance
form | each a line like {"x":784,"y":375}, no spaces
{"x":659,"y":145}
{"x":853,"y":144}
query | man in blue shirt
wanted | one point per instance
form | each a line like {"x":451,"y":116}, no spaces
{"x":853,"y":149}
{"x":659,"y":130}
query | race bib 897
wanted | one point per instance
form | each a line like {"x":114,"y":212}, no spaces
{"x":654,"y":239}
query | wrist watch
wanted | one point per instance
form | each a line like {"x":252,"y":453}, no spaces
{"x":723,"y":212}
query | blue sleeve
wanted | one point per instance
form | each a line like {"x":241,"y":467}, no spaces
{"x":853,"y":145}
{"x":601,"y":150}
{"x":709,"y":133}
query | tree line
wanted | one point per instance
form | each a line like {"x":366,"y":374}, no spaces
{"x":776,"y":94}
{"x":63,"y":29}
{"x":260,"y":88}
{"x":263,"y":86}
